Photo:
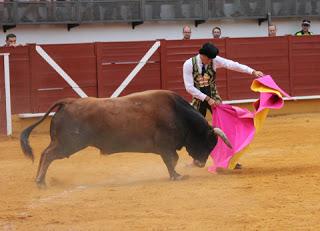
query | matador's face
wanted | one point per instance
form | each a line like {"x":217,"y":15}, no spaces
{"x":205,"y":60}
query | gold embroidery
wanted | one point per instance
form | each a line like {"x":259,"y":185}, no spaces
{"x":208,"y":79}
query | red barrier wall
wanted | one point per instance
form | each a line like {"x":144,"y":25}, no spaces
{"x":77,"y":60}
{"x":305,"y":65}
{"x":269,"y":55}
{"x":115,"y":61}
{"x":19,"y":78}
{"x":99,"y":68}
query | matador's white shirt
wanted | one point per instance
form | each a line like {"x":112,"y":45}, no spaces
{"x":217,"y":62}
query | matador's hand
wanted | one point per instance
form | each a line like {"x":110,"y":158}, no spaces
{"x":212,"y":102}
{"x":257,"y":74}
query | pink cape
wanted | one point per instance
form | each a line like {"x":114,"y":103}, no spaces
{"x":240,"y":125}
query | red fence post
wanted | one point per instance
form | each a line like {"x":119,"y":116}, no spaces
{"x":3,"y":128}
{"x":32,"y":70}
{"x":291,"y":91}
{"x":163,"y":64}
{"x":100,"y":79}
{"x":228,"y":92}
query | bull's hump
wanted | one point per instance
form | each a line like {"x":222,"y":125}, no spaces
{"x":143,"y":94}
{"x":136,"y":101}
{"x":149,"y":94}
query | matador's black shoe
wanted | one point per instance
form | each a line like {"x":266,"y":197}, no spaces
{"x":238,"y":166}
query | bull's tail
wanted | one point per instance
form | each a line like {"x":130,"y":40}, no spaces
{"x":24,"y":137}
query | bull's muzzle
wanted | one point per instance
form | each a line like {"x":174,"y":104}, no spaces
{"x":199,"y":163}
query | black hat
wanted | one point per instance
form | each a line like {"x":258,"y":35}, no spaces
{"x":209,"y":50}
{"x":306,"y":22}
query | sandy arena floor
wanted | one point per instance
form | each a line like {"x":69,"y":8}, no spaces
{"x":278,"y":189}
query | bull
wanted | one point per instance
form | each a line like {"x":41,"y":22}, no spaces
{"x":156,"y":121}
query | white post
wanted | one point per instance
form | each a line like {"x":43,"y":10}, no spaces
{"x":135,"y":71}
{"x":61,"y":72}
{"x":7,"y":92}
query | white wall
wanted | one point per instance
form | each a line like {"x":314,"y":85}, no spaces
{"x":54,"y":34}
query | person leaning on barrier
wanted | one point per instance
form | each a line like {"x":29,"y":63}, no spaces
{"x":186,"y":31}
{"x":199,"y":76}
{"x":272,"y":30}
{"x":306,"y":24}
{"x":216,"y":32}
{"x":11,"y":40}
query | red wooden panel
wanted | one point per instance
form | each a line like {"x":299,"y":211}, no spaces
{"x":77,"y":60}
{"x":305,"y":69}
{"x":19,"y":78}
{"x":270,"y":55}
{"x":177,"y":52}
{"x":116,"y":60}
{"x":47,"y":98}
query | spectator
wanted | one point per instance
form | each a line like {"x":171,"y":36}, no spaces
{"x":216,"y":32}
{"x":272,"y":30}
{"x":11,"y":40}
{"x":305,"y":28}
{"x":186,"y":31}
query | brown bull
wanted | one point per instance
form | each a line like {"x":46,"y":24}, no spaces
{"x":156,"y":121}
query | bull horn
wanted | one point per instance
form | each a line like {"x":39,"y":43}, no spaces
{"x":223,"y":136}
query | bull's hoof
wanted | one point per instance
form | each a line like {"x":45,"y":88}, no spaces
{"x":179,"y":177}
{"x":190,"y":165}
{"x":41,"y":184}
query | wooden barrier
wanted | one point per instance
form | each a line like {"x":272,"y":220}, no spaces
{"x":115,"y":61}
{"x":99,"y":68}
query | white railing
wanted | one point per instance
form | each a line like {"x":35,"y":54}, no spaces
{"x":6,"y":66}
